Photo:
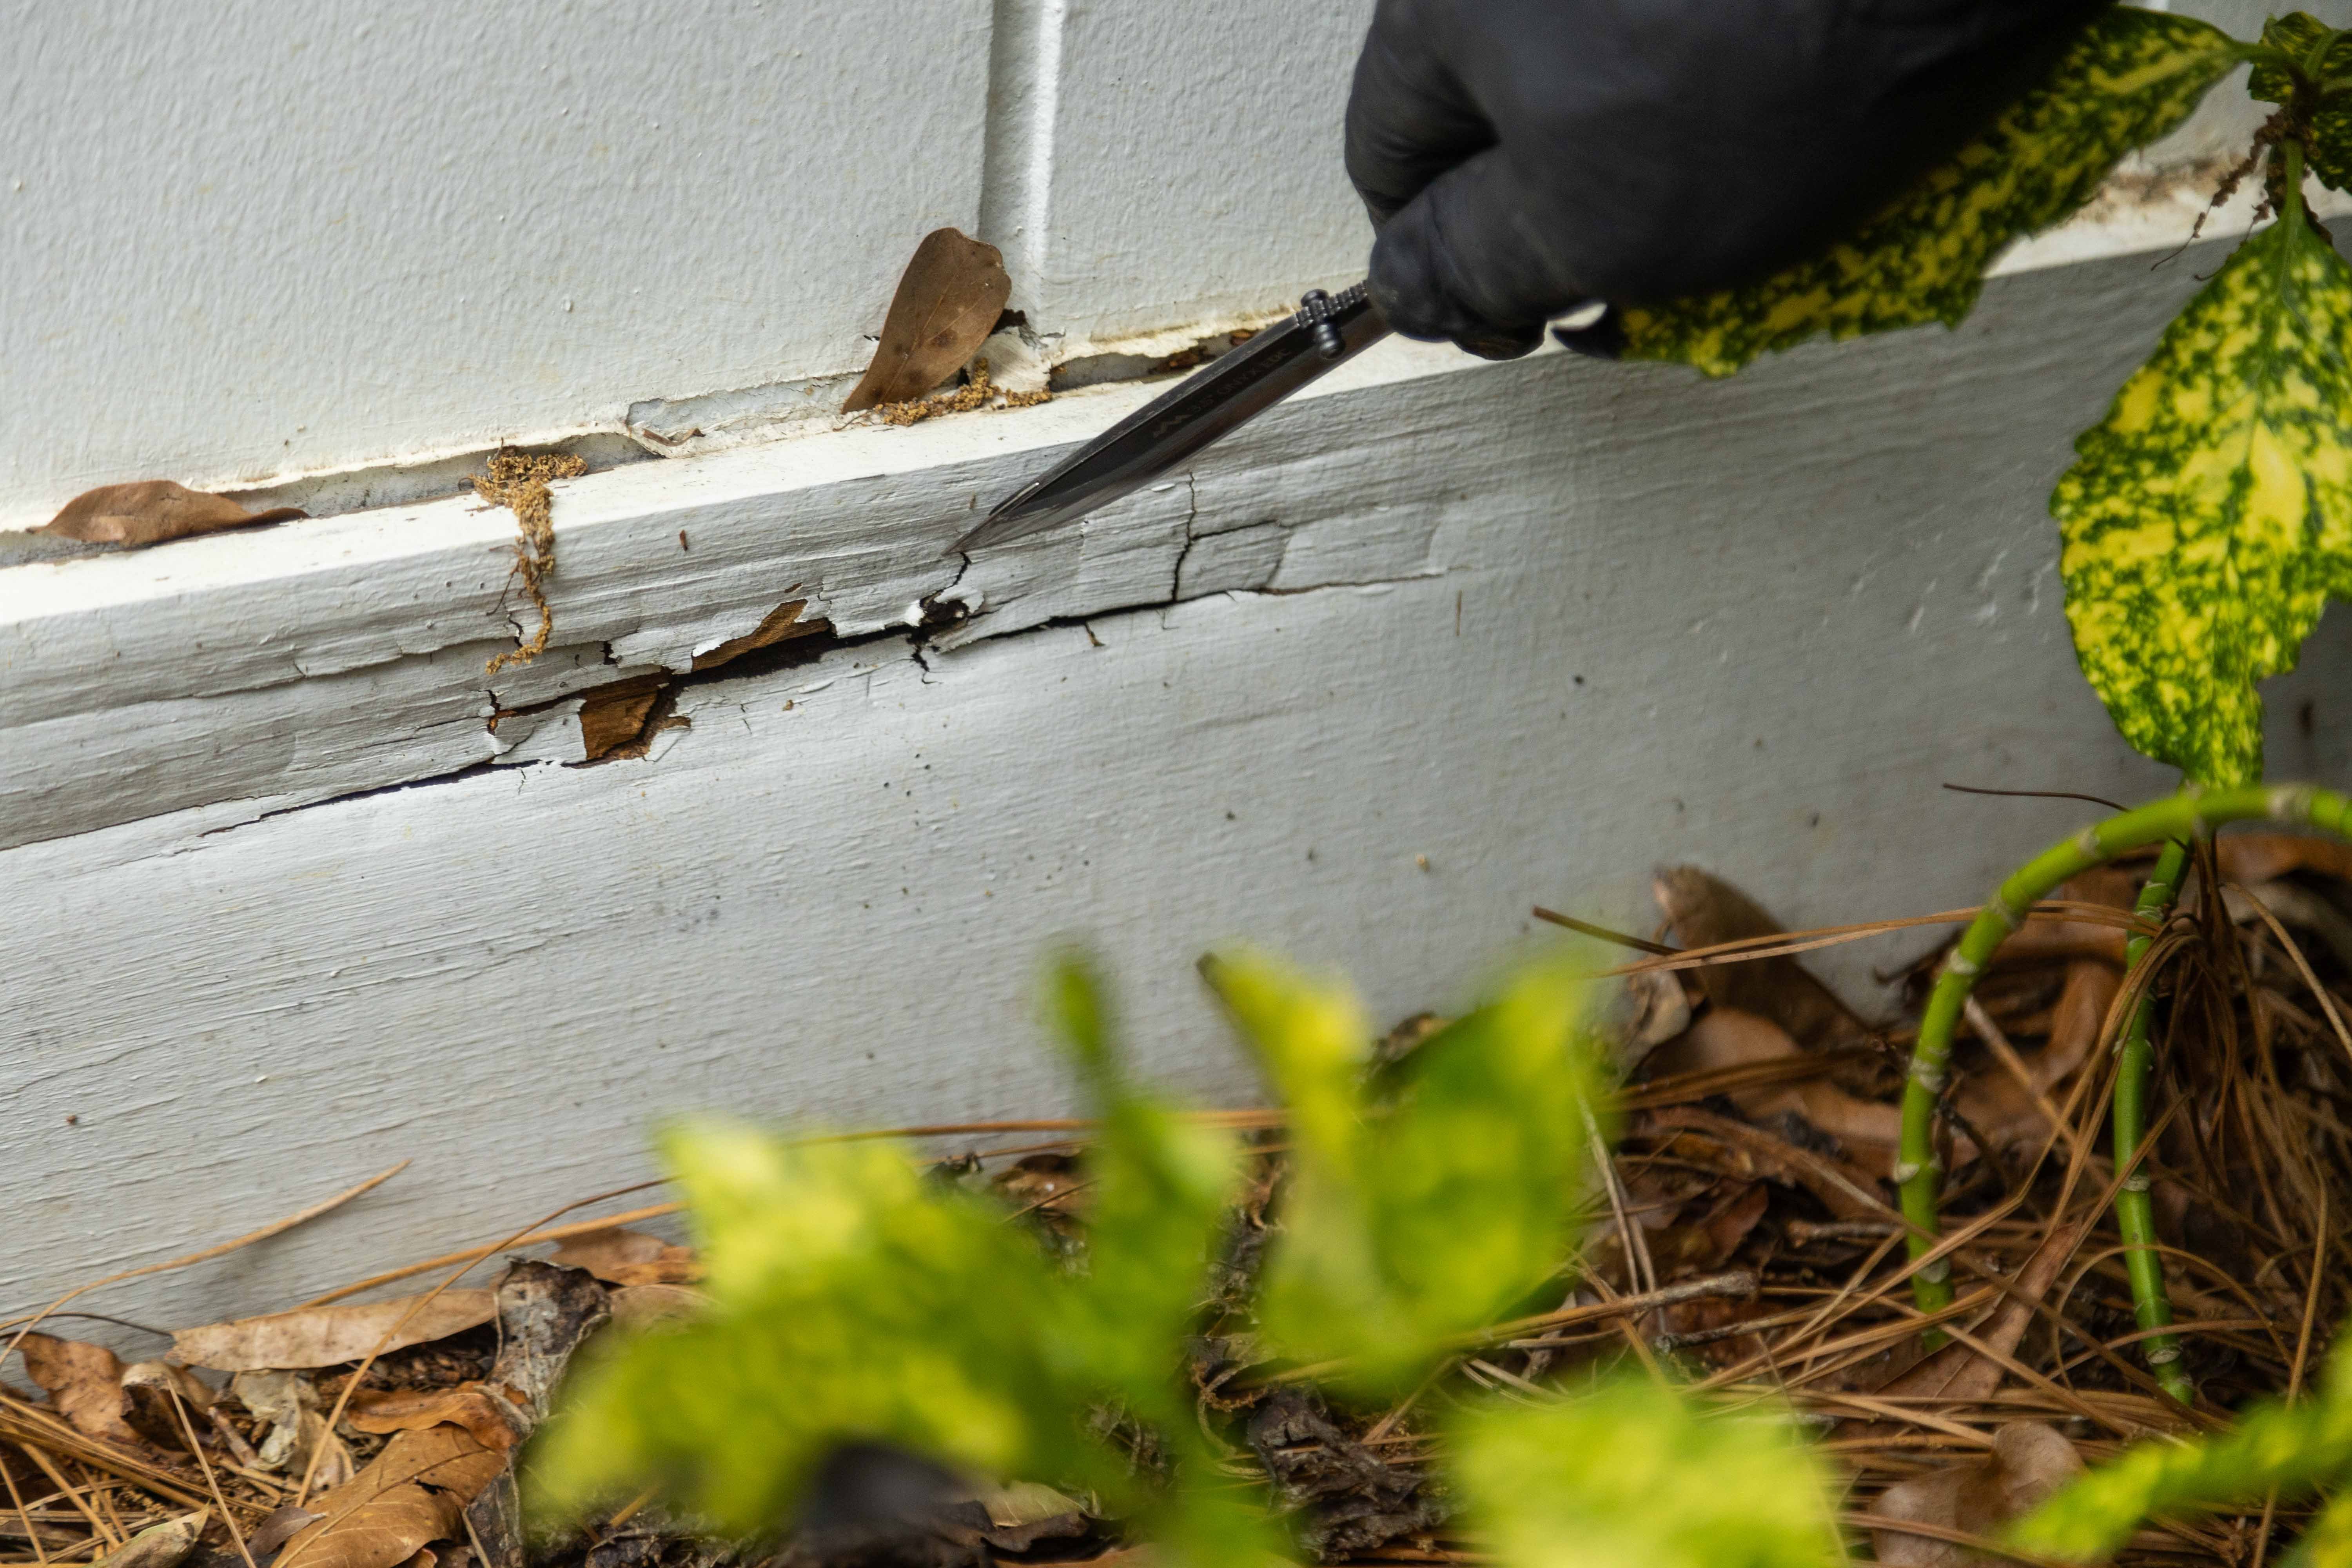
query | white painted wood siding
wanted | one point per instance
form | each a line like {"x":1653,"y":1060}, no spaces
{"x":1542,"y":624}
{"x":290,"y":887}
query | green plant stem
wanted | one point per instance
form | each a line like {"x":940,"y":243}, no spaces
{"x":2135,"y":1208}
{"x":2181,"y":816}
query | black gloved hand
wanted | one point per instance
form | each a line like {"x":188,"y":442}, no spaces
{"x":1519,"y":156}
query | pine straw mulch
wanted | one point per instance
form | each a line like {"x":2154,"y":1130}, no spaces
{"x":1743,"y":1239}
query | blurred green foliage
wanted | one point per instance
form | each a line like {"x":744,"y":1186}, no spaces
{"x":1633,"y":1475}
{"x":855,"y":1300}
{"x":2295,"y":1450}
{"x":1406,"y":1229}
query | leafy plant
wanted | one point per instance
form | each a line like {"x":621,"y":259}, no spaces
{"x":856,"y":1300}
{"x":1407,"y":1229}
{"x":2206,"y":520}
{"x":2288,"y":1450}
{"x":1634,"y":1476}
{"x":2129,"y":78}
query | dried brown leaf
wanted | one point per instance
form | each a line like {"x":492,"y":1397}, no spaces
{"x":149,"y":1390}
{"x":328,"y":1336}
{"x":289,"y":1402}
{"x":629,"y":1258}
{"x":642,"y":1306}
{"x":1704,"y":911}
{"x":475,"y":1408}
{"x":1846,"y":1191}
{"x":2247,"y":858}
{"x":83,"y":1381}
{"x":152,"y":512}
{"x":1958,"y":1372}
{"x":282,"y":1524}
{"x":2068,"y":939}
{"x":165,"y":1546}
{"x":2009,"y":1112}
{"x":2028,"y":1462}
{"x":544,"y":1313}
{"x":409,"y":1496}
{"x":948,"y":303}
{"x":1728,"y":1037}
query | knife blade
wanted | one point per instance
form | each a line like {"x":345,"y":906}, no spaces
{"x":1324,"y":333}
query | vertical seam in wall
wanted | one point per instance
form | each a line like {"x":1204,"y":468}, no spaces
{"x":1025,"y":71}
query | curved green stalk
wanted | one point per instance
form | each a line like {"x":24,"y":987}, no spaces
{"x":2181,"y":817}
{"x":2135,"y":1209}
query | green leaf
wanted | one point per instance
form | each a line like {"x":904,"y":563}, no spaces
{"x":2327,"y":1541}
{"x":1634,"y":1476}
{"x":2291,"y":1449}
{"x":854,"y":1301}
{"x":1407,"y":1226}
{"x":2130,"y":78}
{"x":1162,"y":1189}
{"x":2319,"y":90}
{"x":2209,"y":517}
{"x":843,"y":1289}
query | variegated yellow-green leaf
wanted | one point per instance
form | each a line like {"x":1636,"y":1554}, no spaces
{"x":2275,"y":1450}
{"x":1634,"y":1476}
{"x":2324,"y":105}
{"x":1409,"y":1223}
{"x":2327,"y":1541}
{"x":2131,"y":76}
{"x":854,"y":1301}
{"x":2209,"y":517}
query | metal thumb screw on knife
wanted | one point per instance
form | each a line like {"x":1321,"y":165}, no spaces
{"x":1325,"y":333}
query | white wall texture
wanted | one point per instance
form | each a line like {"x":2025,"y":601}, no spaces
{"x":270,"y":917}
{"x":247,"y":238}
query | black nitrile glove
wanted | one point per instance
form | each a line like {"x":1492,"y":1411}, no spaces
{"x":1519,"y":156}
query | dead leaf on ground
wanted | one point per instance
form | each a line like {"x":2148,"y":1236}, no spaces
{"x":1728,"y":1036}
{"x":1648,"y":1008}
{"x":148,"y":1388}
{"x":152,"y":512}
{"x":289,"y":1402}
{"x":629,"y":1258}
{"x":1847,"y":1191}
{"x":1959,"y":1373}
{"x":2252,"y":857}
{"x":544,"y":1310}
{"x":2009,"y":1112}
{"x":165,"y":1545}
{"x":2030,"y":1461}
{"x":1024,"y":1513}
{"x":83,"y":1381}
{"x":328,"y":1336}
{"x":280,"y":1525}
{"x":1704,"y":910}
{"x":412,"y":1494}
{"x":948,"y":303}
{"x":2053,"y":939}
{"x":475,"y":1408}
{"x":642,"y":1306}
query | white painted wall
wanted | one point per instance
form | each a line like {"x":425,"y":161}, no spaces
{"x":245,"y":238}
{"x":1161,"y":164}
